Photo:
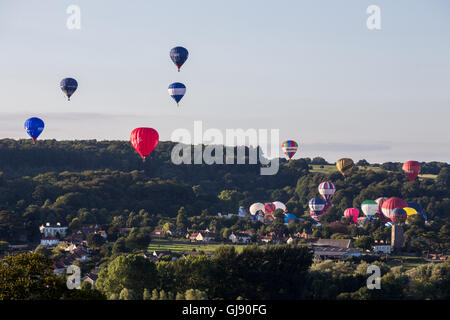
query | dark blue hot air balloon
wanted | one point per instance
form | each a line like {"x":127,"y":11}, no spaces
{"x":34,"y":127}
{"x":179,"y":56}
{"x":68,"y":86}
{"x":177,"y":91}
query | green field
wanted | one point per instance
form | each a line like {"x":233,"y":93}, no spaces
{"x":180,"y":247}
{"x":405,"y":261}
{"x":329,"y":168}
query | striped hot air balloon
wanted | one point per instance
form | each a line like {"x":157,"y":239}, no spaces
{"x":369,"y":208}
{"x":316,"y":205}
{"x":391,"y":204}
{"x":327,"y":190}
{"x":269,"y":208}
{"x":290,"y":148}
{"x":177,"y":91}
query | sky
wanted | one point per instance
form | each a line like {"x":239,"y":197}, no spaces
{"x":311,"y":69}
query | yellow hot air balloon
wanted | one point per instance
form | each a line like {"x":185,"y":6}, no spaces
{"x":345,"y":166}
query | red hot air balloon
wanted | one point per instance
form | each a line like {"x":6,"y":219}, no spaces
{"x":398,"y":215}
{"x":411,"y":169}
{"x":144,"y":140}
{"x":352,"y":213}
{"x":391,"y":204}
{"x":269,"y":208}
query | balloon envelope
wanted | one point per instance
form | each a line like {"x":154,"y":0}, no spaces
{"x":327,"y":190}
{"x":289,"y":217}
{"x":269,"y":208}
{"x":391,"y":204}
{"x":177,"y":91}
{"x":316,"y":205}
{"x":345,"y":166}
{"x":279,"y":205}
{"x":398,"y":215}
{"x":254,"y":208}
{"x":351,"y":213}
{"x":68,"y":86}
{"x":379,"y":213}
{"x":144,"y":140}
{"x":411,"y":169}
{"x":289,"y":148}
{"x":34,"y":127}
{"x":369,"y":208}
{"x":179,"y":56}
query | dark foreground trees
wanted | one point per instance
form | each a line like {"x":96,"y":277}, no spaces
{"x":28,"y":276}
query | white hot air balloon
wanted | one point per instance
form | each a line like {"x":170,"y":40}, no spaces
{"x":254,"y":208}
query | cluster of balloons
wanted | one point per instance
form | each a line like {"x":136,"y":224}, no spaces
{"x":179,"y":56}
{"x":264,"y":212}
{"x":318,"y":206}
{"x":143,"y":139}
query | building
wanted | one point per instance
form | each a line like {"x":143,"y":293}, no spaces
{"x":49,"y":241}
{"x":54,"y":231}
{"x":382,"y":247}
{"x":202,"y":236}
{"x":241,"y":237}
{"x":330,"y":252}
{"x":397,"y":238}
{"x":91,"y":278}
{"x":340,"y":243}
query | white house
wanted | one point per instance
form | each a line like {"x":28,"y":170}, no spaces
{"x":53,"y":231}
{"x":240,"y":237}
{"x":49,"y":241}
{"x":386,"y":249}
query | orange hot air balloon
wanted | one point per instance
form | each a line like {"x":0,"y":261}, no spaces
{"x":144,"y":141}
{"x":411,"y":169}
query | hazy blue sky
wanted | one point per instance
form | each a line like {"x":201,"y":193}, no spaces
{"x":310,"y":68}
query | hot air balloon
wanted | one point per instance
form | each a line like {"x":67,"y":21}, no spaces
{"x":351,"y":213}
{"x":290,"y":148}
{"x":269,"y":208}
{"x":411,"y":169}
{"x":327,"y":190}
{"x":369,"y":208}
{"x":316,"y":205}
{"x":177,"y":91}
{"x":269,"y":218}
{"x":179,"y":56}
{"x":279,"y":205}
{"x":380,"y":214}
{"x":68,"y":86}
{"x":345,"y":166}
{"x":391,"y":204}
{"x":254,"y":208}
{"x":361,"y":221}
{"x":144,"y":141}
{"x":314,"y":216}
{"x":289,"y":217}
{"x":398,"y":215}
{"x":34,"y":127}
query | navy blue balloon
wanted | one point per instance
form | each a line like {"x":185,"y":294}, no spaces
{"x":34,"y":127}
{"x":68,"y":86}
{"x":415,"y":205}
{"x":179,"y":56}
{"x":177,"y":91}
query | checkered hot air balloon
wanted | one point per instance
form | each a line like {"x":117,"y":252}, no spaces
{"x":290,"y":148}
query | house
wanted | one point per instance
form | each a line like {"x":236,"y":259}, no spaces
{"x":267,"y":238}
{"x":54,"y":231}
{"x":49,"y":241}
{"x":240,"y":237}
{"x":91,"y":278}
{"x":202,"y":236}
{"x":331,"y":252}
{"x":382,"y":247}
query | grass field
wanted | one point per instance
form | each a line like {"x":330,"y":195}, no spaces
{"x":405,"y":261}
{"x":180,"y":247}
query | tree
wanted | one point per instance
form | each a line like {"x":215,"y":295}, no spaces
{"x":364,"y":242}
{"x":95,"y":240}
{"x":133,"y":272}
{"x":182,"y":221}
